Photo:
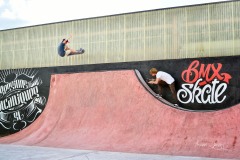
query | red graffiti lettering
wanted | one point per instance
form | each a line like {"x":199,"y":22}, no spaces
{"x":208,"y":72}
{"x":191,"y":74}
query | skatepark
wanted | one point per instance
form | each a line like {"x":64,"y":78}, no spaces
{"x":101,"y":107}
{"x":125,"y":119}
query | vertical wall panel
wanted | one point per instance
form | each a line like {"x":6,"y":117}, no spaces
{"x":8,"y":41}
{"x":1,"y":58}
{"x":175,"y":32}
{"x":236,"y":27}
{"x":7,"y":60}
{"x":20,"y":48}
{"x":115,"y":39}
{"x":35,"y":46}
{"x":7,"y":50}
{"x":154,"y":35}
{"x":221,"y":34}
{"x":198,"y":37}
{"x":49,"y":43}
{"x":97,"y":40}
{"x":80,"y":40}
{"x":134,"y":37}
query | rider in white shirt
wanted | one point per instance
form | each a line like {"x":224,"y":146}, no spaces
{"x":163,"y":77}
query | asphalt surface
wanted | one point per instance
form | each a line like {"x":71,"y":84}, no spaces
{"x":19,"y":152}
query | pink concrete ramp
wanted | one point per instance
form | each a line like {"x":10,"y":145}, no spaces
{"x":111,"y":111}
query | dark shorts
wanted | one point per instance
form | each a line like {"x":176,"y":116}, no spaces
{"x":62,"y":54}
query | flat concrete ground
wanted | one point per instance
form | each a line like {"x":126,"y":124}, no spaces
{"x":17,"y":152}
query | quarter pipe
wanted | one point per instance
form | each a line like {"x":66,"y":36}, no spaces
{"x":112,"y":111}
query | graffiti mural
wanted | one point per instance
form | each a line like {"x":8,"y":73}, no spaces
{"x":20,"y":100}
{"x":204,"y":83}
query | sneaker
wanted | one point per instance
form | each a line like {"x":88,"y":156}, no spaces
{"x":175,"y":105}
{"x":81,"y":50}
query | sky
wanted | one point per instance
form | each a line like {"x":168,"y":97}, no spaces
{"x":22,"y":13}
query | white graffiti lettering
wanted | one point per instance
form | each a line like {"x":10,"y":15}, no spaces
{"x":17,"y":84}
{"x":19,"y":98}
{"x":210,"y":93}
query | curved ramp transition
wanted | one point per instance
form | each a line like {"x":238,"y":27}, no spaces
{"x":112,"y":111}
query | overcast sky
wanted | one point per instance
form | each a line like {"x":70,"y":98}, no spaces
{"x":20,"y":13}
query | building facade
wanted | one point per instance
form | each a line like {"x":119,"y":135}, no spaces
{"x":208,"y":30}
